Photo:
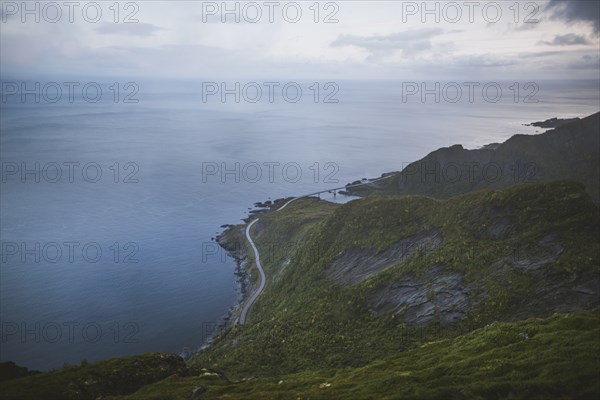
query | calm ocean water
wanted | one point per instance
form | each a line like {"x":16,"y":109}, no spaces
{"x":96,"y":266}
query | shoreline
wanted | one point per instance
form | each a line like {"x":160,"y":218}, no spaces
{"x":229,"y":240}
{"x":235,"y":244}
{"x":236,"y":248}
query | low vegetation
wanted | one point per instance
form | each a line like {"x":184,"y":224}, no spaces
{"x":304,"y":320}
{"x":539,"y":358}
{"x":117,"y":376}
{"x":516,"y":269}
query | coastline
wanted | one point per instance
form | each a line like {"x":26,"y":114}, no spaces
{"x":232,"y":240}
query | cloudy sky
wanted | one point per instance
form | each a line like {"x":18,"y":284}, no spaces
{"x":271,"y":40}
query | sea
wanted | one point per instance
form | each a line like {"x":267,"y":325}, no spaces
{"x":112,"y":192}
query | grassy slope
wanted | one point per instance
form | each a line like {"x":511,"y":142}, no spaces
{"x":324,"y":341}
{"x":559,"y":358}
{"x":116,"y":376}
{"x":305,"y":321}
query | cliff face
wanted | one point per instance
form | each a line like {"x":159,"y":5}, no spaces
{"x":571,"y":151}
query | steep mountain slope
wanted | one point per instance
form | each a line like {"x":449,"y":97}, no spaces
{"x":538,"y":358}
{"x":484,"y":288}
{"x":382,"y":274}
{"x":550,"y":358}
{"x":397,"y":297}
{"x":571,"y":151}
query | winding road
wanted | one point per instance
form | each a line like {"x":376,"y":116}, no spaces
{"x":263,"y":278}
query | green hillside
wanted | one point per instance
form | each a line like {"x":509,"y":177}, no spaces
{"x":474,"y":290}
{"x":570,"y":151}
{"x":486,"y":256}
{"x":117,"y":376}
{"x":554,"y":357}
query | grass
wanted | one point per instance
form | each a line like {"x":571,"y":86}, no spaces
{"x":111,"y":377}
{"x":309,"y":336}
{"x":539,"y":358}
{"x":304,"y":320}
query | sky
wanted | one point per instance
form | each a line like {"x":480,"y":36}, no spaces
{"x":363,"y":40}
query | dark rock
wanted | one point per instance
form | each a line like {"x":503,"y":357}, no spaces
{"x":356,"y":265}
{"x":552,"y":122}
{"x":265,"y":204}
{"x":442,"y":294}
{"x":197,"y":391}
{"x":9,"y":370}
{"x":490,"y":146}
{"x":539,"y":255}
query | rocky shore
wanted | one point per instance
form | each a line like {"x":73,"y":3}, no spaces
{"x":232,"y":240}
{"x":552,"y":122}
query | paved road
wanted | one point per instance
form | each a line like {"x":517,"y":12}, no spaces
{"x":263,"y":279}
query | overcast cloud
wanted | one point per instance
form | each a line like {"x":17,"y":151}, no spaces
{"x":370,"y":40}
{"x":570,"y":39}
{"x":576,"y":11}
